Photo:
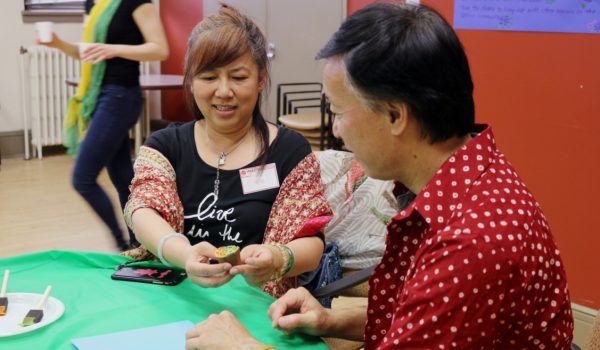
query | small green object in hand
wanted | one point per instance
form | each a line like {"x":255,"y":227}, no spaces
{"x":228,"y":253}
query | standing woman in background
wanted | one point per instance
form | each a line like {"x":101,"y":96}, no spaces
{"x":108,"y":101}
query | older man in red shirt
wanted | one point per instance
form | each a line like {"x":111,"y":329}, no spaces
{"x":470,"y":262}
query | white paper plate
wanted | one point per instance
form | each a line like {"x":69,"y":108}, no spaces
{"x":18,"y":306}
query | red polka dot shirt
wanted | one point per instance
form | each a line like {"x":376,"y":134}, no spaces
{"x":470,"y":263}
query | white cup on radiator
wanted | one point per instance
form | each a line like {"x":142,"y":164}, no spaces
{"x":44,"y":30}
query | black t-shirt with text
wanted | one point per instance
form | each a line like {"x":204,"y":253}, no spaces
{"x":235,"y":218}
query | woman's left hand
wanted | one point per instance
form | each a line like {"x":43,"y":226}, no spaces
{"x":259,"y":263}
{"x":99,"y":52}
{"x":222,"y":331}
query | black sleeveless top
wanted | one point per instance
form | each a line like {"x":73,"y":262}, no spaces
{"x":122,"y":30}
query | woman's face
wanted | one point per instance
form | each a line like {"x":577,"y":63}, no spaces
{"x":227,"y":95}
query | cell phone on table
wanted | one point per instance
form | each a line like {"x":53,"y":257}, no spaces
{"x":155,"y":275}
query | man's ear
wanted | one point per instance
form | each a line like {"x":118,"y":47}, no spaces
{"x":398,"y":114}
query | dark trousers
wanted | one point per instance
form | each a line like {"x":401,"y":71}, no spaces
{"x":106,"y":144}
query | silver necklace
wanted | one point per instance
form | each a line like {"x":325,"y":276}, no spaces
{"x":222,"y":158}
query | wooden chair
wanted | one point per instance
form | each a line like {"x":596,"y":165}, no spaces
{"x":300,"y":106}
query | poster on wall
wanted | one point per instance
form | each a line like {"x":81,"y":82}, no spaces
{"x":566,"y":16}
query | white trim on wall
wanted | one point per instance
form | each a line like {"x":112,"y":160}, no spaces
{"x":584,"y":320}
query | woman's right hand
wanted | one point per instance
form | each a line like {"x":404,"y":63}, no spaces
{"x":68,"y":48}
{"x":55,"y":42}
{"x":199,"y":269}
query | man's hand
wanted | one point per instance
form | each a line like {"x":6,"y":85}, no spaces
{"x":222,"y":331}
{"x":298,"y":311}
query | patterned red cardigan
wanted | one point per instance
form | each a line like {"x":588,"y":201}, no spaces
{"x":300,"y":209}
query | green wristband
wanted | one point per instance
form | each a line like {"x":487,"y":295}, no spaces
{"x":290,"y":263}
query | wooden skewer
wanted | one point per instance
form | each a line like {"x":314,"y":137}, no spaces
{"x":4,"y":283}
{"x":3,"y":298}
{"x":44,"y":298}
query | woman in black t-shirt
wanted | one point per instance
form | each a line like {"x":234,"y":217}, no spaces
{"x":118,"y":35}
{"x":229,"y":178}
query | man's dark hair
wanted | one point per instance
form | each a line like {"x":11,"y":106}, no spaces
{"x":408,"y":54}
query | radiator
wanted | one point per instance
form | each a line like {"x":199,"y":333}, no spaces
{"x":45,"y":95}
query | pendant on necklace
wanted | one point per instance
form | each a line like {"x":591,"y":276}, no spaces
{"x":221,"y":160}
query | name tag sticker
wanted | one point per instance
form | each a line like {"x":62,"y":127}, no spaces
{"x":259,"y":178}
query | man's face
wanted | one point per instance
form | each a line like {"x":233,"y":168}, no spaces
{"x":364,"y":132}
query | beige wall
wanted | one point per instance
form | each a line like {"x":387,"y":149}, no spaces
{"x":14,"y":34}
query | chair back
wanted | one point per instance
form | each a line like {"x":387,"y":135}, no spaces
{"x":301,"y":106}
{"x":294,"y":96}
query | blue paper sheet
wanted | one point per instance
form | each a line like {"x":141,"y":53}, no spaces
{"x":165,"y":336}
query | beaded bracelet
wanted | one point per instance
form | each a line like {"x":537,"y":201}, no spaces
{"x":161,"y":244}
{"x":284,"y":256}
{"x":288,"y":260}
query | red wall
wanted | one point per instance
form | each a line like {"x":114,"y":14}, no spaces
{"x":179,"y":18}
{"x":540,"y":91}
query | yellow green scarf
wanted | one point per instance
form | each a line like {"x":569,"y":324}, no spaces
{"x":83,"y":103}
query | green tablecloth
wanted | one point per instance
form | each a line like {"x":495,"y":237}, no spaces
{"x":95,"y":304}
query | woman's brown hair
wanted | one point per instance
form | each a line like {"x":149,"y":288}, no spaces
{"x":218,"y":40}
